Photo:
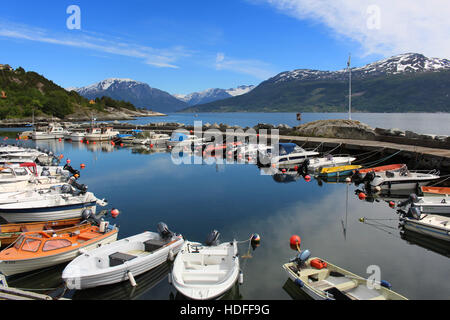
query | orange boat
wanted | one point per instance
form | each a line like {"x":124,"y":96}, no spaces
{"x":37,"y":250}
{"x":10,"y":232}
{"x":390,"y":167}
{"x":435,"y":191}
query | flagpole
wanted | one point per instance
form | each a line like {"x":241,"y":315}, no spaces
{"x":350,"y":89}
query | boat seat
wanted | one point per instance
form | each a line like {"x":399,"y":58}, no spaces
{"x":216,"y":252}
{"x":201,"y":277}
{"x":86,"y":236}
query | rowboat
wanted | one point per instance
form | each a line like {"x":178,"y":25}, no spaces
{"x":10,"y":232}
{"x":123,"y":259}
{"x":340,"y":171}
{"x":435,"y":191}
{"x":436,"y":226}
{"x":37,"y":250}
{"x":203,"y":272}
{"x":322,"y":280}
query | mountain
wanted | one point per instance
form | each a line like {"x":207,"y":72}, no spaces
{"x":138,"y":93}
{"x":24,"y":93}
{"x":404,"y":83}
{"x":211,"y":95}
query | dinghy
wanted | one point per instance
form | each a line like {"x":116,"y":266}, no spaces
{"x":122,"y":260}
{"x":317,"y":164}
{"x":435,"y":226}
{"x":322,"y":280}
{"x":340,"y":171}
{"x":203,"y":272}
{"x":435,"y":191}
{"x":37,"y":250}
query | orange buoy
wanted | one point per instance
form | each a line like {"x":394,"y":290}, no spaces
{"x":115,"y":213}
{"x":87,"y":142}
{"x":392,"y":204}
{"x":295,"y":242}
{"x":82,"y":166}
{"x":284,"y":170}
{"x":68,"y":161}
{"x":59,"y":139}
{"x":121,"y":145}
{"x":362,"y":196}
{"x":307,"y":178}
{"x":151,"y":146}
{"x":296,"y":168}
{"x":94,"y":142}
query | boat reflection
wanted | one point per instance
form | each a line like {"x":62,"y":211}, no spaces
{"x":124,"y":290}
{"x":148,"y":150}
{"x":436,"y":245}
{"x":294,"y":292}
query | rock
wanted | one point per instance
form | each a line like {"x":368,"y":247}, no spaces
{"x":441,"y":138}
{"x":427,"y":136}
{"x":345,"y":129}
{"x":411,"y":135}
{"x":396,"y":132}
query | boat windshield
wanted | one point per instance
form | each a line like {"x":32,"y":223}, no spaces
{"x":55,"y":244}
{"x":18,"y":242}
{"x":31,"y":245}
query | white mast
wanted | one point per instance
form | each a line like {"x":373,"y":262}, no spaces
{"x":350,"y":88}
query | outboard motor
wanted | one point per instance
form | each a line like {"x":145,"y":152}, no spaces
{"x":412,"y":199}
{"x":87,"y":214}
{"x":301,"y":257}
{"x":357,"y":177}
{"x":71,"y":170}
{"x":45,"y":172}
{"x":213,"y":239}
{"x":164,"y":231}
{"x":414,"y":213}
{"x":303,"y":169}
{"x":369,"y":176}
{"x":81,"y":187}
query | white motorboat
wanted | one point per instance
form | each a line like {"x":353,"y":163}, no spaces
{"x":25,"y":156}
{"x":53,"y":131}
{"x":288,"y":153}
{"x":158,"y":139}
{"x":101,"y":134}
{"x":251,"y":151}
{"x":75,"y":136}
{"x":122,"y":260}
{"x":56,"y":203}
{"x":203,"y":272}
{"x":316,"y":164}
{"x":434,"y":204}
{"x":402,"y":179}
{"x":436,"y":226}
{"x":181,"y":140}
{"x":30,"y":172}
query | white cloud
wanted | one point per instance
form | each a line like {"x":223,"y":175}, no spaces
{"x":152,"y":56}
{"x":381,"y":26}
{"x":253,"y":67}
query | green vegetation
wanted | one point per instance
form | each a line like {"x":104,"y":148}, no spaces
{"x":25,"y":92}
{"x":411,"y":92}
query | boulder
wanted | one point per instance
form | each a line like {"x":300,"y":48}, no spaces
{"x":344,"y":129}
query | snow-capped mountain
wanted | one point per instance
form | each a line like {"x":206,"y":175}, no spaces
{"x":210,"y":95}
{"x":404,"y":63}
{"x":138,"y":93}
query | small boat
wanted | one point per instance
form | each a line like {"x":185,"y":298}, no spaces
{"x":75,"y":136}
{"x":101,"y":134}
{"x":53,"y":131}
{"x":340,"y":171}
{"x":203,"y":272}
{"x":37,"y":250}
{"x":10,"y":232}
{"x":402,"y":180}
{"x":317,"y":164}
{"x":435,"y":191}
{"x":434,"y":204}
{"x":56,"y":203}
{"x":322,"y":280}
{"x":288,"y":153}
{"x":181,"y":139}
{"x":436,"y":226}
{"x":122,"y":260}
{"x":366,"y":174}
{"x":224,"y":149}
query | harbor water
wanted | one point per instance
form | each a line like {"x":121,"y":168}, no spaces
{"x":237,"y":200}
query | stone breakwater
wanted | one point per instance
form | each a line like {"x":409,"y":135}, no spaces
{"x":337,"y":129}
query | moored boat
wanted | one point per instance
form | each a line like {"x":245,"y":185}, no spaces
{"x":339,"y":171}
{"x":288,"y":153}
{"x":321,"y":280}
{"x":435,"y":191}
{"x":203,"y":272}
{"x":37,"y":250}
{"x":122,"y":260}
{"x":435,"y":226}
{"x":317,"y":164}
{"x":402,"y":180}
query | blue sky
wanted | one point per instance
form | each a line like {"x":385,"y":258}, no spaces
{"x":187,"y":46}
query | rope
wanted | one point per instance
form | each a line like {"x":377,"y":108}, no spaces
{"x":375,"y":152}
{"x":382,"y":160}
{"x":329,"y":152}
{"x":448,"y":177}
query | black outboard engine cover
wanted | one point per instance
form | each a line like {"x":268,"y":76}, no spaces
{"x":66,"y":189}
{"x":414,"y":213}
{"x":411,"y":200}
{"x":164,"y":231}
{"x":213,"y":239}
{"x":87,"y":214}
{"x":71,"y":170}
{"x":45,"y":172}
{"x":81,"y":187}
{"x":369,"y":176}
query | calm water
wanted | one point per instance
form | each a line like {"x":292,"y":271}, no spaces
{"x":238,"y":201}
{"x":429,"y":123}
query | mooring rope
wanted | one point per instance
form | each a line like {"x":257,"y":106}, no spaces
{"x":374,"y":153}
{"x":329,"y":152}
{"x":371,"y":164}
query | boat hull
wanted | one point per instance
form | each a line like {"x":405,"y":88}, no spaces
{"x":76,"y":278}
{"x":426,"y":229}
{"x":46,"y":214}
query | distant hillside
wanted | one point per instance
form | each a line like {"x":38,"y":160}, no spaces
{"x":25,"y":92}
{"x":138,"y":93}
{"x":211,"y":95}
{"x":404,"y":83}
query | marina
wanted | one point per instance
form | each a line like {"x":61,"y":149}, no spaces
{"x":293,"y":192}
